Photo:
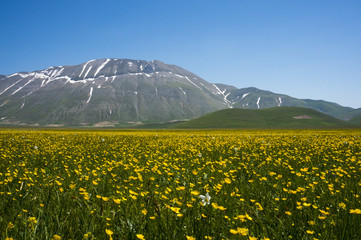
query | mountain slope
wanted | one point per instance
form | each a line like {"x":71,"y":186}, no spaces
{"x":279,"y":117}
{"x":125,"y":91}
{"x":356,"y":121}
{"x":120,"y":90}
{"x":253,"y":98}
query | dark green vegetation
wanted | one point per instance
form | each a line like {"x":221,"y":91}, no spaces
{"x":280,"y":117}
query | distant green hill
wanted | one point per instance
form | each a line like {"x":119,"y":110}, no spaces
{"x":279,"y":117}
{"x":356,"y":121}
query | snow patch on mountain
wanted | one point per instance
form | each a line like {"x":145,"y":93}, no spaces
{"x":87,"y":72}
{"x":228,"y":103}
{"x":185,"y":77}
{"x":219,"y":90}
{"x":101,"y":67}
{"x":85,"y":65}
{"x":90,"y":94}
{"x":10,"y":86}
{"x":26,"y":95}
{"x":56,"y":73}
{"x":245,"y":95}
{"x":137,"y":74}
{"x":182,"y":91}
{"x":31,"y":80}
{"x":12,"y":75}
{"x":69,"y":80}
{"x":22,"y":104}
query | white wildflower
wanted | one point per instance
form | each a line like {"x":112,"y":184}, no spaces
{"x":205,"y":199}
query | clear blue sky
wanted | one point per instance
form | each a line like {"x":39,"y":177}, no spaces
{"x":303,"y":48}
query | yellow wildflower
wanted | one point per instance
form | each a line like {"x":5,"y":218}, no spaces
{"x":110,"y":233}
{"x":259,"y":207}
{"x":10,"y":225}
{"x":56,"y":237}
{"x":342,"y":205}
{"x":242,"y":231}
{"x":228,"y":181}
{"x":140,"y":236}
{"x":195,"y":192}
{"x":355,"y":211}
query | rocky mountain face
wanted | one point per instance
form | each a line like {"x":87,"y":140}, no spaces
{"x":128,"y":91}
{"x":119,"y":90}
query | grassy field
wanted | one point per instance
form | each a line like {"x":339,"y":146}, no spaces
{"x":180,"y":185}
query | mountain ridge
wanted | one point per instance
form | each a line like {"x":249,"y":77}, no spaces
{"x":130,"y":91}
{"x":276,"y":100}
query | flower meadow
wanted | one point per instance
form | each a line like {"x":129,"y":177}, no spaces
{"x":180,"y":185}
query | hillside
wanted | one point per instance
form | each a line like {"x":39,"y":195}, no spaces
{"x":356,"y":121}
{"x":279,"y":117}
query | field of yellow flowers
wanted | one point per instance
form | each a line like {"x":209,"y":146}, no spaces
{"x":180,"y":185}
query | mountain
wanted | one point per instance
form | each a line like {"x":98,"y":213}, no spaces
{"x":275,"y":118}
{"x":253,"y":98}
{"x":118,"y":92}
{"x":112,"y":90}
{"x":356,"y":120}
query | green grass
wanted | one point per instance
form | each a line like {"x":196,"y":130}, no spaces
{"x":272,"y":118}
